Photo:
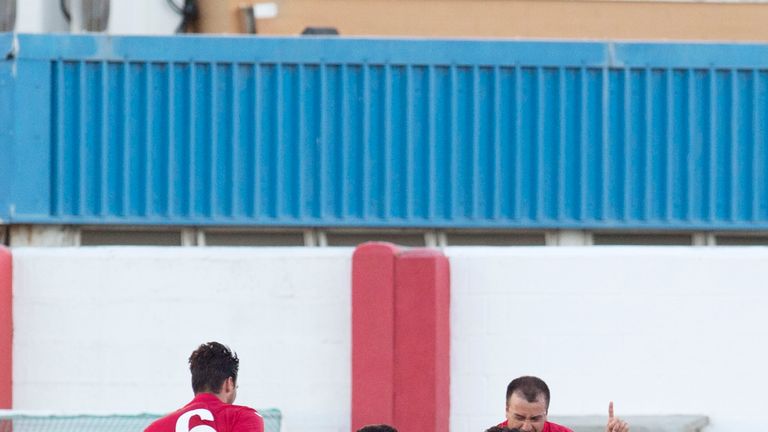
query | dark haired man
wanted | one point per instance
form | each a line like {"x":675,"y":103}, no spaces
{"x":214,"y":370}
{"x":528,"y":405}
{"x":377,"y":428}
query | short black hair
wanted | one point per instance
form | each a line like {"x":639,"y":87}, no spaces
{"x":377,"y":428}
{"x":501,"y":429}
{"x":211,"y":364}
{"x":530,"y":387}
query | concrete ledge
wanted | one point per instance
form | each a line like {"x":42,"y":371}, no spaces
{"x":663,"y":423}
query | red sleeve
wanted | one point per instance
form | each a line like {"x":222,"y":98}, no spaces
{"x":249,"y":421}
{"x":554,"y":427}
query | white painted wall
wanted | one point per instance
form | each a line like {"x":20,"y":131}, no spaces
{"x":659,"y":330}
{"x":110,"y":329}
{"x":133,"y":17}
{"x":126,"y":17}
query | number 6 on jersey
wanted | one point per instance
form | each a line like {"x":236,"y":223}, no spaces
{"x":182,"y":424}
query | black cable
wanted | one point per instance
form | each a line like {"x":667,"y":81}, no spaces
{"x":64,"y":10}
{"x":189,"y":14}
{"x":182,"y":28}
{"x":176,"y":8}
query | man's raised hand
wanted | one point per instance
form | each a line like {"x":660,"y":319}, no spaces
{"x":615,"y":424}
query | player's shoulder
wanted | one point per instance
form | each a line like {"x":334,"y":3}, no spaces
{"x":168,"y":421}
{"x":241,"y":410}
{"x":242,"y":418}
{"x":554,"y":427}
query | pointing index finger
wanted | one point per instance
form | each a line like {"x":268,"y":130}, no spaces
{"x":610,"y":410}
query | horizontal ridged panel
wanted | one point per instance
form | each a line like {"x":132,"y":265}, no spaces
{"x":631,"y":139}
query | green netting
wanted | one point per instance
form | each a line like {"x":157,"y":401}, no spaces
{"x":28,"y":422}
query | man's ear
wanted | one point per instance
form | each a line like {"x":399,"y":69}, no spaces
{"x":227,"y":386}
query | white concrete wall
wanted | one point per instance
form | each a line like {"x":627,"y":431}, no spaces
{"x":110,"y":329}
{"x":126,"y":17}
{"x":659,"y":330}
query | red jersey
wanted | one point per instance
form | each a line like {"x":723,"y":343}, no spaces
{"x":548,"y":427}
{"x":206,"y":413}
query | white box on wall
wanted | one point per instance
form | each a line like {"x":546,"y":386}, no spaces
{"x":131,"y":17}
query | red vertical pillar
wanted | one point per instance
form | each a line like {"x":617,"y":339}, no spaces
{"x":400,"y":338}
{"x":373,"y":333}
{"x":6,"y":329}
{"x":422,"y":341}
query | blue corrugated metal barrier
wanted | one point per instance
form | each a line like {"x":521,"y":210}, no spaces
{"x":392,"y":133}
